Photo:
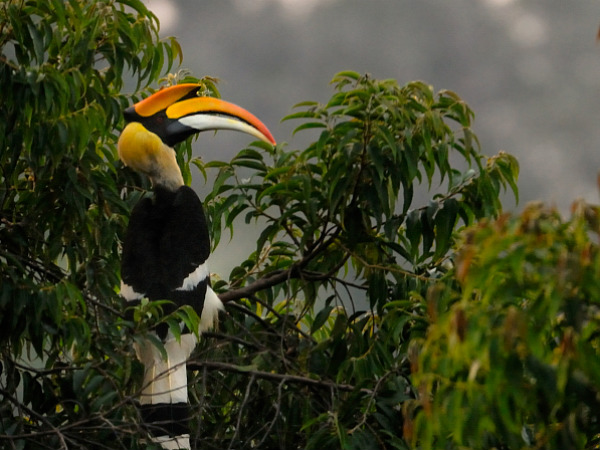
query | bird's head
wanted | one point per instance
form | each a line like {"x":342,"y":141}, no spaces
{"x":170,"y":116}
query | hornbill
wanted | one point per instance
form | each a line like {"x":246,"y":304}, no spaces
{"x":167,"y":244}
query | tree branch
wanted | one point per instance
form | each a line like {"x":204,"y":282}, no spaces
{"x":215,"y":365}
{"x":265,"y":282}
{"x":277,"y":277}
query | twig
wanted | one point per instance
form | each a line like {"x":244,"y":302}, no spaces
{"x":215,"y":365}
{"x":277,"y":277}
{"x":265,"y":282}
{"x":239,"y":420}
{"x":275,"y":416}
{"x":40,"y":417}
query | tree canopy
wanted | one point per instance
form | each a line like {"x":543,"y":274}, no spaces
{"x":389,"y":302}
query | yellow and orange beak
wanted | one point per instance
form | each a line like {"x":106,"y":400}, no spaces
{"x":177,"y":112}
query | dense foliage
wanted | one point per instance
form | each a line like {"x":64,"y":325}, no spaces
{"x":513,"y":353}
{"x":67,"y":362}
{"x":389,"y":302}
{"x":334,"y":293}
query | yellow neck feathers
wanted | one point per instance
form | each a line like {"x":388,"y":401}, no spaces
{"x":144,"y":152}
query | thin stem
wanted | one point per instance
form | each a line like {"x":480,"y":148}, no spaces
{"x":215,"y":365}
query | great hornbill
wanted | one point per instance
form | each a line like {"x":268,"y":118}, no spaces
{"x":167,"y":244}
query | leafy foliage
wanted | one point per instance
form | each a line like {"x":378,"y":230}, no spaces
{"x":514,"y":354}
{"x":389,"y":303}
{"x":67,"y":364}
{"x":335,"y":292}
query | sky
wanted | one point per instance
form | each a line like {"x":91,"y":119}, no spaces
{"x":530,"y":69}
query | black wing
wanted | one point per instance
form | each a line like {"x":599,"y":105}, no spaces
{"x":184,"y":250}
{"x":165,"y":250}
{"x":140,"y":261}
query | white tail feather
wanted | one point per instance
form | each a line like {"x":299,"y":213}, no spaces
{"x":210,"y":311}
{"x":165,"y":380}
{"x":174,"y":443}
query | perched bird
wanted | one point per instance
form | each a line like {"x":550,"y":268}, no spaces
{"x":167,"y":244}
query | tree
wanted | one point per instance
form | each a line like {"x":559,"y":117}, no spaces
{"x":67,"y":364}
{"x":511,"y":357}
{"x":330,"y":301}
{"x":389,"y":302}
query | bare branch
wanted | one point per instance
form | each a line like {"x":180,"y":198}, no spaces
{"x":265,"y":282}
{"x":215,"y":365}
{"x":278,"y":277}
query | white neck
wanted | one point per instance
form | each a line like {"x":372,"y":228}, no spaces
{"x":168,"y":174}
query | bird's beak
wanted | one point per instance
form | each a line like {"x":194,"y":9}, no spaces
{"x":176,"y":112}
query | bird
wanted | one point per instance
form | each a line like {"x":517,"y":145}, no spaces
{"x":166,"y":244}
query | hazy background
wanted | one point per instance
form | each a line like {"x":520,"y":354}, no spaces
{"x":529,"y":69}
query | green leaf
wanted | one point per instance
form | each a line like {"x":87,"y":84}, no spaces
{"x":346,"y":74}
{"x":300,"y":115}
{"x":414,"y":231}
{"x":320,"y":319}
{"x":445,"y":220}
{"x":259,"y":166}
{"x":309,"y":125}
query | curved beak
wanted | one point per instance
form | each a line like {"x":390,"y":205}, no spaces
{"x":208,"y":113}
{"x":176,"y":112}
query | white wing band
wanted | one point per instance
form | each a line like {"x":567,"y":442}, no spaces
{"x":129,"y":294}
{"x":210,"y":311}
{"x":192,"y":280}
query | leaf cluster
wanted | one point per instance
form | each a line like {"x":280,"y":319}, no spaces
{"x":67,"y":366}
{"x":512,"y":359}
{"x":349,"y":196}
{"x":388,"y":303}
{"x":328,"y":303}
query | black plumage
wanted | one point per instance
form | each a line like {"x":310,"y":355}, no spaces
{"x":167,"y":240}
